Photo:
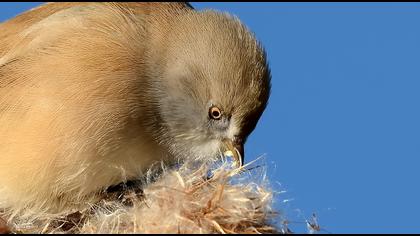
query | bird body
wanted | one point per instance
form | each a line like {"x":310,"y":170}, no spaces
{"x":92,"y":94}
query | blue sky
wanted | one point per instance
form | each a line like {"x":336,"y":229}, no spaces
{"x":341,"y":132}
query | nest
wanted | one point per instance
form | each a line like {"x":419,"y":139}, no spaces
{"x":209,"y":198}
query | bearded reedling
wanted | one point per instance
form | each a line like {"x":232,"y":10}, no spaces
{"x":92,"y":94}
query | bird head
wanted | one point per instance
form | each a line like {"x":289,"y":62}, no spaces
{"x":213,"y":88}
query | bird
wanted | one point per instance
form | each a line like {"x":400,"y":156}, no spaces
{"x":93,"y":94}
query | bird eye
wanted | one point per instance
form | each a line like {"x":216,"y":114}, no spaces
{"x":215,"y":113}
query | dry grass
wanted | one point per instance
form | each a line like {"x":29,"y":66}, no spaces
{"x":188,"y":199}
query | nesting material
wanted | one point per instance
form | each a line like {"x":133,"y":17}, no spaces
{"x":209,"y":198}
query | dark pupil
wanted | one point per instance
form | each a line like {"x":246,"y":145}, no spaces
{"x":215,"y":114}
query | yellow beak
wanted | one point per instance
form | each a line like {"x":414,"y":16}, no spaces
{"x":234,"y":150}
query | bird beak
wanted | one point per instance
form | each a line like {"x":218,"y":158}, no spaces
{"x":235,"y":150}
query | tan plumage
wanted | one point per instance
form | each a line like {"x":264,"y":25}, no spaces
{"x":92,"y":94}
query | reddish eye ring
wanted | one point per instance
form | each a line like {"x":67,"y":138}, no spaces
{"x":215,"y":113}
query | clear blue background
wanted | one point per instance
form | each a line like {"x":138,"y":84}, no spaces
{"x":341,"y":131}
